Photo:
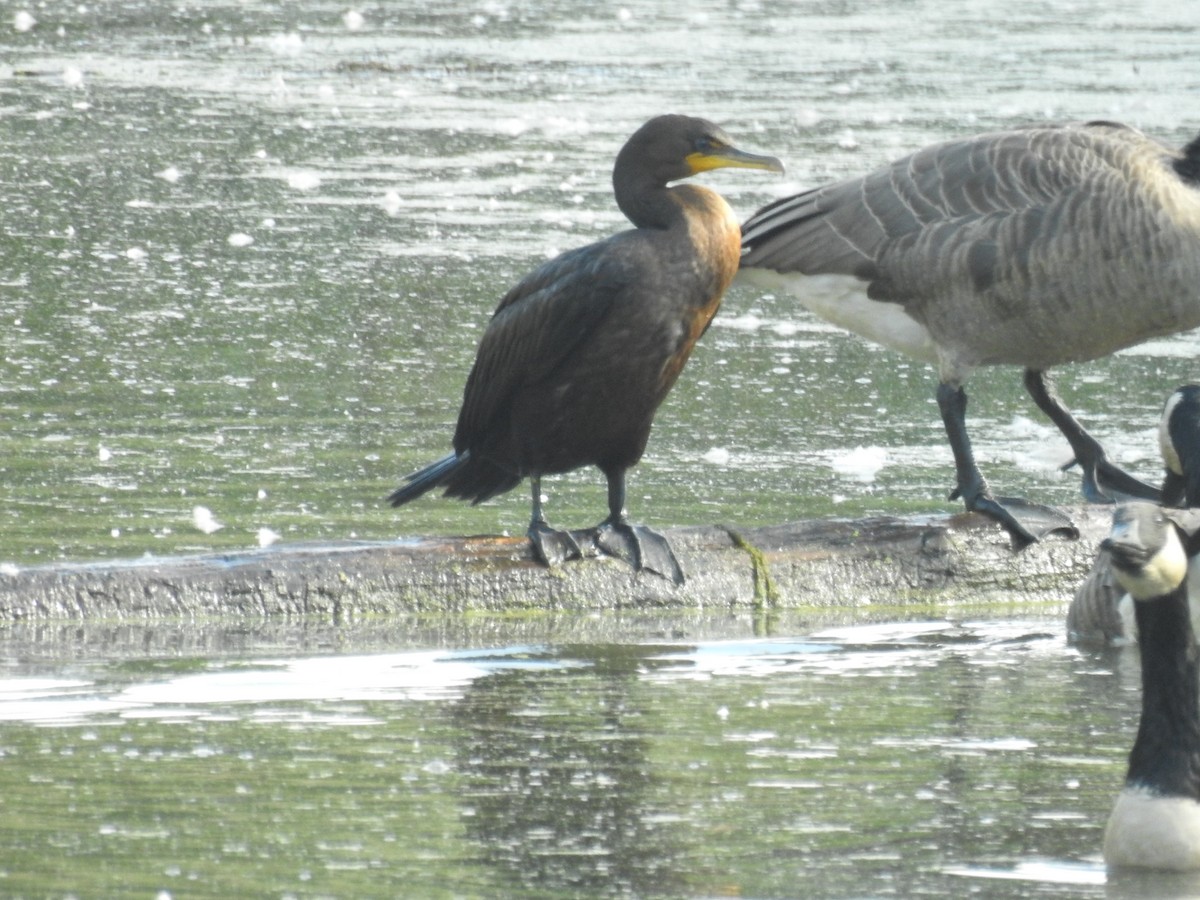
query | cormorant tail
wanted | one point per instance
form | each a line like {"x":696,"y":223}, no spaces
{"x":463,"y":476}
{"x":424,"y":480}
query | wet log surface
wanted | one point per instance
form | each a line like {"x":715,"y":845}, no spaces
{"x":821,"y":564}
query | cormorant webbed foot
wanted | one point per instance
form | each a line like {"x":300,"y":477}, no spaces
{"x":552,"y":547}
{"x":641,"y":547}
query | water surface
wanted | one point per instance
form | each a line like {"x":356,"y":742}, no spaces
{"x":565,"y":757}
{"x":246,"y":253}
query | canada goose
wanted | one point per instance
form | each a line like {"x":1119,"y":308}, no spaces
{"x":1100,"y":610}
{"x":581,"y":352}
{"x":1155,"y":822}
{"x":1032,"y":247}
{"x":1179,"y":442}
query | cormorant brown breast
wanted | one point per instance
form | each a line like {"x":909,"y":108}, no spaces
{"x":581,"y":352}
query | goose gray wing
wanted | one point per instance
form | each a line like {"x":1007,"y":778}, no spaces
{"x":968,"y":209}
{"x":977,"y":238}
{"x":1095,"y":615}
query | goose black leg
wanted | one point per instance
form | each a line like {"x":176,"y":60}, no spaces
{"x":550,"y":546}
{"x":1103,"y":482}
{"x":973,"y":489}
{"x":641,"y":547}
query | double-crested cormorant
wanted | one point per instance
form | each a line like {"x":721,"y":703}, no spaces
{"x":1155,"y":822}
{"x":1101,"y":611}
{"x":579,"y":355}
{"x":1032,"y":247}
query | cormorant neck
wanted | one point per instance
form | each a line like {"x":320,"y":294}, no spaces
{"x":645,"y":201}
{"x":1188,"y":167}
{"x":1166,"y":754}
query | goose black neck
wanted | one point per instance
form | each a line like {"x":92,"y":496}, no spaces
{"x":1188,"y":167}
{"x":1166,"y":755}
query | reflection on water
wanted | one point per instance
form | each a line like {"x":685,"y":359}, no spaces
{"x":899,"y":759}
{"x":558,"y":783}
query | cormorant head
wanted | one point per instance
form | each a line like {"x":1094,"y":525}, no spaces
{"x":671,"y":147}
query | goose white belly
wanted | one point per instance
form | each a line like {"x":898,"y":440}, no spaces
{"x":842,"y":300}
{"x":1149,"y":831}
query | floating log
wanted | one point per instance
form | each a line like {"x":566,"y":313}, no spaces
{"x":944,"y":561}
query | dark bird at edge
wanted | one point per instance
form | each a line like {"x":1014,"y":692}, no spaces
{"x":1101,"y":610}
{"x":579,"y":355}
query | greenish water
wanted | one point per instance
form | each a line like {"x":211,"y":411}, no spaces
{"x":247,"y":250}
{"x":564,"y":757}
{"x":246,"y":253}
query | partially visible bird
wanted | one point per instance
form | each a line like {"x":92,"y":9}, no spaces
{"x":1101,"y":611}
{"x":1155,"y":822}
{"x":582,"y":351}
{"x":1032,"y":247}
{"x":1179,"y":443}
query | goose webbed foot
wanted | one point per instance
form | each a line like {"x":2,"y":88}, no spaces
{"x":1039,"y":519}
{"x":552,"y":547}
{"x":641,"y":547}
{"x":1104,"y":482}
{"x":1026,"y":522}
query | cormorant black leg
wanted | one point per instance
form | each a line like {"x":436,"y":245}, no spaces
{"x":550,"y":545}
{"x":1103,"y":482}
{"x":641,"y":547}
{"x":973,"y":489}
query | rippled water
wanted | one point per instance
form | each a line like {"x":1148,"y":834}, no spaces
{"x":247,"y":250}
{"x":570,"y":757}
